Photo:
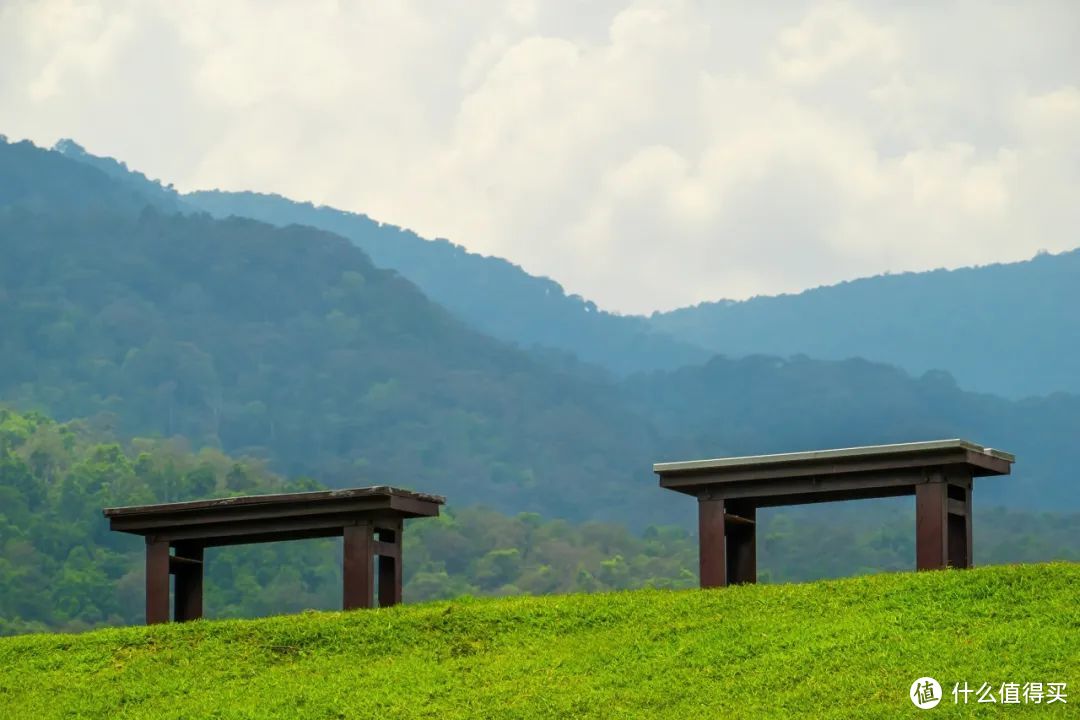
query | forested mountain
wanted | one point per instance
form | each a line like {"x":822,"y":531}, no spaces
{"x":161,"y":196}
{"x":1008,"y":329}
{"x":40,"y":181}
{"x":491,"y":294}
{"x":999,"y":329}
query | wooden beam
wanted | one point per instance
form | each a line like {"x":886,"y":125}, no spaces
{"x":386,"y":549}
{"x":239,"y":515}
{"x":825,"y":488}
{"x":730,"y":519}
{"x":178,"y":563}
{"x":871,"y":467}
{"x":957,"y":507}
{"x":299,"y":500}
{"x":228,"y":533}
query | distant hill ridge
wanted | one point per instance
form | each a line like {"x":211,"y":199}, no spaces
{"x":490,"y":293}
{"x":1009,"y":328}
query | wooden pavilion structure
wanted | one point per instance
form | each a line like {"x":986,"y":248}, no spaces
{"x":940,"y":474}
{"x":370,"y":521}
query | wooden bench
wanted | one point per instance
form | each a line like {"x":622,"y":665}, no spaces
{"x":729,"y":491}
{"x":370,"y":520}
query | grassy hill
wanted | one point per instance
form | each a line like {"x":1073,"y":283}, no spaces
{"x":848,"y":648}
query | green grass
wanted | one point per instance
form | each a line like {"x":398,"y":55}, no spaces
{"x":848,"y":648}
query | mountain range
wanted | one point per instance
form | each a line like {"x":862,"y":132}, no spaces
{"x":1000,"y":329}
{"x":313,"y":338}
{"x":1004,"y":328}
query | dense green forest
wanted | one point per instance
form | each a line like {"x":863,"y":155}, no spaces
{"x":1005,"y":329}
{"x":61,"y":568}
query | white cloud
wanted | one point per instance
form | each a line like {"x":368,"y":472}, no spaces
{"x":645,"y":154}
{"x":831,"y":37}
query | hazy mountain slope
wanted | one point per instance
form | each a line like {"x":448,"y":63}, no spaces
{"x":1001,"y":328}
{"x":491,"y":294}
{"x":290,"y":344}
{"x":1008,"y":329}
{"x":160,"y":195}
{"x":34,"y":179}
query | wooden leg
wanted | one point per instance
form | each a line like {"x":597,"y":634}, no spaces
{"x":931,"y":525}
{"x":712,"y":563}
{"x":740,"y":522}
{"x":960,"y":555}
{"x":188,"y":592}
{"x":390,"y":566}
{"x":157,"y":581}
{"x":968,"y":520}
{"x":358,"y":567}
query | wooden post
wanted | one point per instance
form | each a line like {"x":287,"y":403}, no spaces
{"x":358,"y":567}
{"x":712,"y":561}
{"x":959,"y":519}
{"x":390,"y":564}
{"x":931,"y":524}
{"x":187,"y":567}
{"x":968,"y":521}
{"x":740,"y":522}
{"x":157,"y":580}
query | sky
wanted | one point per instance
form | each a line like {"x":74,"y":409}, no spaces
{"x":646,"y":155}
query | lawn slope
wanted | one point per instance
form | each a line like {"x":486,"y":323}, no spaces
{"x":828,"y":649}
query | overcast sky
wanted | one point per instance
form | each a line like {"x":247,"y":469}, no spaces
{"x":646,"y":155}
